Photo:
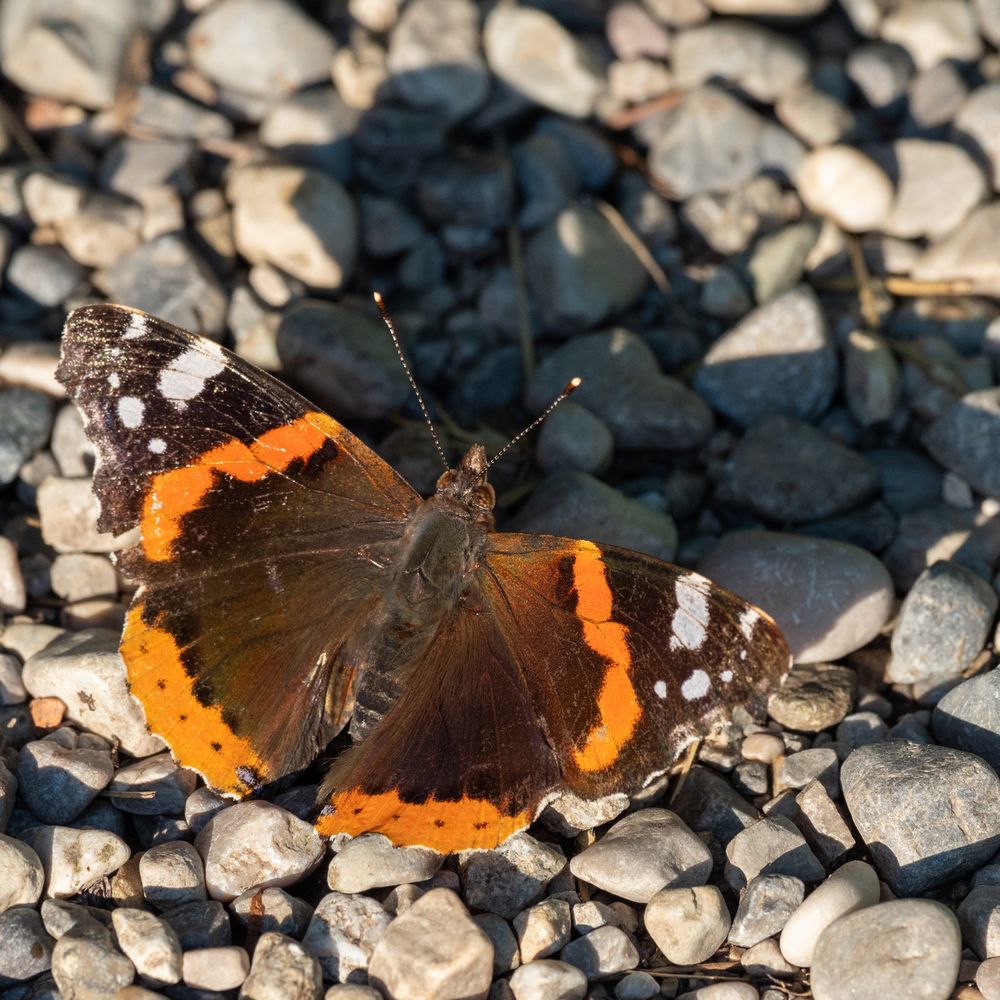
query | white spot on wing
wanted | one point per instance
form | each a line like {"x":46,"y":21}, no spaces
{"x":130,"y":411}
{"x":136,"y":327}
{"x":696,"y":686}
{"x":726,"y":676}
{"x":748,"y":620}
{"x":157,"y":446}
{"x":187,"y":374}
{"x":114,"y":380}
{"x":660,"y":689}
{"x":690,"y":621}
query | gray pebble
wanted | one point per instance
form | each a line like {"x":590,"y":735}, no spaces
{"x":967,"y":253}
{"x":637,"y":986}
{"x":25,"y":424}
{"x":547,"y":179}
{"x":828,"y":598}
{"x":961,"y":438}
{"x":44,"y":275}
{"x":979,"y":919}
{"x":202,"y":924}
{"x":974,"y":121}
{"x":25,"y":947}
{"x":574,"y":438}
{"x":922,"y":810}
{"x":871,"y":379}
{"x":822,"y":823}
{"x":943,"y":624}
{"x":968,"y":717}
{"x":506,"y":955}
{"x":57,"y":784}
{"x":861,"y":728}
{"x":72,"y":858}
{"x":778,"y":360}
{"x":388,"y":227}
{"x":21,"y":874}
{"x":215,"y":969}
{"x":272,"y":910}
{"x":12,"y":689}
{"x":779,"y":258}
{"x":170,"y":785}
{"x":788,"y":471}
{"x":815,"y":117}
{"x":881,"y":72}
{"x":772,"y":846}
{"x":643,"y":853}
{"x":172,"y":874}
{"x":201,"y":805}
{"x":822,"y":763}
{"x":765,"y":905}
{"x":548,"y":979}
{"x":602,"y":953}
{"x":687,"y":925}
{"x":814,"y":696}
{"x":150,"y":943}
{"x":68,"y":512}
{"x":61,"y":916}
{"x":907,"y":947}
{"x":926,"y":536}
{"x":282,"y":970}
{"x":542,"y":929}
{"x":510,"y":878}
{"x":342,"y":934}
{"x":77,"y":576}
{"x":86,"y":965}
{"x":371,"y":861}
{"x":707,"y":803}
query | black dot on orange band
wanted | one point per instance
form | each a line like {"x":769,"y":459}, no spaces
{"x":217,"y":747}
{"x":161,"y":684}
{"x":439,"y":823}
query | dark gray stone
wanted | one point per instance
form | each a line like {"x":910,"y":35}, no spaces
{"x":925,"y":536}
{"x":818,"y":763}
{"x":968,"y":717}
{"x":709,"y":804}
{"x":474,"y":189}
{"x":57,"y":783}
{"x":201,"y":924}
{"x":25,"y":946}
{"x":46,"y":275}
{"x":765,"y":906}
{"x":979,"y":918}
{"x":966,"y":439}
{"x":772,"y":846}
{"x":25,"y":424}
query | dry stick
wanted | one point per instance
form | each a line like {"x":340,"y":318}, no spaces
{"x":904,"y":287}
{"x":631,"y":116}
{"x":684,"y":766}
{"x":866,"y":290}
{"x":641,"y":251}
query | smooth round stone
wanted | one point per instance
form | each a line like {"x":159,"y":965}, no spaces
{"x":778,"y":360}
{"x":21,"y":874}
{"x":282,"y":912}
{"x":264,"y":48}
{"x":816,"y":764}
{"x":687,"y":925}
{"x":12,"y":689}
{"x":172,"y":874}
{"x":637,"y":986}
{"x":881,"y":72}
{"x":12,"y":593}
{"x":602,"y":954}
{"x":708,"y":803}
{"x":370,"y":861}
{"x":963,"y":436}
{"x":170,"y":785}
{"x":765,"y":906}
{"x":763,"y":747}
{"x":342,"y":934}
{"x":85,"y":671}
{"x":73,"y":859}
{"x":976,"y":120}
{"x":580,"y":270}
{"x":924,"y":811}
{"x":533,"y":53}
{"x":215,"y":968}
{"x":25,"y":946}
{"x":814,"y":696}
{"x":433,"y":949}
{"x":351,"y":992}
{"x":282,"y":969}
{"x":849,"y":888}
{"x":548,"y":979}
{"x":202,"y":924}
{"x":573,"y":438}
{"x":506,"y":956}
{"x":299,"y":219}
{"x":970,"y":253}
{"x":61,"y":917}
{"x":150,"y":944}
{"x":933,"y":32}
{"x":788,"y":471}
{"x":25,"y":424}
{"x":435,"y":60}
{"x":722,"y":991}
{"x":77,"y":576}
{"x":871,"y":379}
{"x":653,"y":412}
{"x":542,"y":929}
{"x":256,"y":843}
{"x":772,"y":846}
{"x":979,"y":918}
{"x":815,"y":117}
{"x":926,"y":536}
{"x":643,"y":853}
{"x":201,"y":805}
{"x":943,"y":624}
{"x":907,"y":947}
{"x":87,"y":964}
{"x":778,"y":259}
{"x":968,"y":717}
{"x":988,"y":978}
{"x":828,"y":598}
{"x":861,"y":728}
{"x":56,"y":783}
{"x":845,"y":185}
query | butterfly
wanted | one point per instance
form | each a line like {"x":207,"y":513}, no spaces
{"x":291,"y":583}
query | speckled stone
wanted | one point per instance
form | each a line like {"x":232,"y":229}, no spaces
{"x":371,"y":860}
{"x":282,"y":968}
{"x":342,"y":934}
{"x":150,"y":943}
{"x":72,"y":858}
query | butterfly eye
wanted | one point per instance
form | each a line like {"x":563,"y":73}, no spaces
{"x":446,"y":479}
{"x":483,"y":497}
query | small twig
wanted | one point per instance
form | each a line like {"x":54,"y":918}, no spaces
{"x":141,"y":793}
{"x":641,"y":251}
{"x":684,"y":767}
{"x":866,"y":290}
{"x":631,"y":116}
{"x":904,"y":287}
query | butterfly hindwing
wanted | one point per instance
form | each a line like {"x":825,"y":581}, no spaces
{"x":263,"y":526}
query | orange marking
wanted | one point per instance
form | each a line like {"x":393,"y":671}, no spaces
{"x":177,"y":492}
{"x":617,"y":703}
{"x":444,"y":826}
{"x":192,"y":730}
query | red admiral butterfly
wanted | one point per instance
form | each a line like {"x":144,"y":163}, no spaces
{"x":291,"y":582}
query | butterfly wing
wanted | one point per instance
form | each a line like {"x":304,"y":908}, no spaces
{"x":576,"y":667}
{"x":263,"y":526}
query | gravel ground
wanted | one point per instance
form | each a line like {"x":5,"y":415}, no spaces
{"x":766,"y":234}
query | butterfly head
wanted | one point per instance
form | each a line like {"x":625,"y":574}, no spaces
{"x":467,"y":484}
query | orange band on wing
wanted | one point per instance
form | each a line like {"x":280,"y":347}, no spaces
{"x":617,"y":703}
{"x":196,"y":733}
{"x":177,"y":492}
{"x":444,"y":826}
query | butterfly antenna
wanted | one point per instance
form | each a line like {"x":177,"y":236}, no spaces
{"x":571,"y":386}
{"x":387,"y":319}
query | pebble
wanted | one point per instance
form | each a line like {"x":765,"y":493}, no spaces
{"x":798,"y":769}
{"x":86,"y":964}
{"x":943,"y":624}
{"x":922,"y":811}
{"x":256,"y":843}
{"x":542,"y":929}
{"x":772,"y":846}
{"x":299,"y":219}
{"x":934,"y":32}
{"x":637,"y":986}
{"x":906,"y":947}
{"x":967,"y":253}
{"x":707,"y":803}
{"x":172,"y":874}
{"x":21,"y":874}
{"x":968,"y":717}
{"x":782,"y":345}
{"x":926,"y":536}
{"x":574,"y":438}
{"x":150,"y":944}
{"x":643,"y":853}
{"x":76,"y":576}
{"x":602,"y":953}
{"x":170,"y":785}
{"x":872,"y":383}
{"x":25,"y":423}
{"x":548,"y":979}
{"x":25,"y":947}
{"x":828,"y":598}
{"x":370,"y":861}
{"x":272,"y":910}
{"x":506,"y":955}
{"x":533,"y":53}
{"x":778,"y":259}
{"x":342,"y":934}
{"x":72,"y":858}
{"x":44,"y":276}
{"x":688,"y":925}
{"x":843,"y":184}
{"x":763,"y":747}
{"x":765,"y":905}
{"x":510,"y":878}
{"x":814,"y":696}
{"x":61,"y":917}
{"x":202,"y":924}
{"x":283,"y":968}
{"x":963,"y":435}
{"x":56,"y":783}
{"x":711,"y":141}
{"x":215,"y":968}
{"x":13,"y":597}
{"x":657,"y":412}
{"x":822,"y":823}
{"x":788,"y":471}
{"x":881,"y":72}
{"x":734,"y":990}
{"x":85,"y":671}
{"x":979,"y":918}
{"x":433,"y":950}
{"x":861,"y":728}
{"x":815,"y":117}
